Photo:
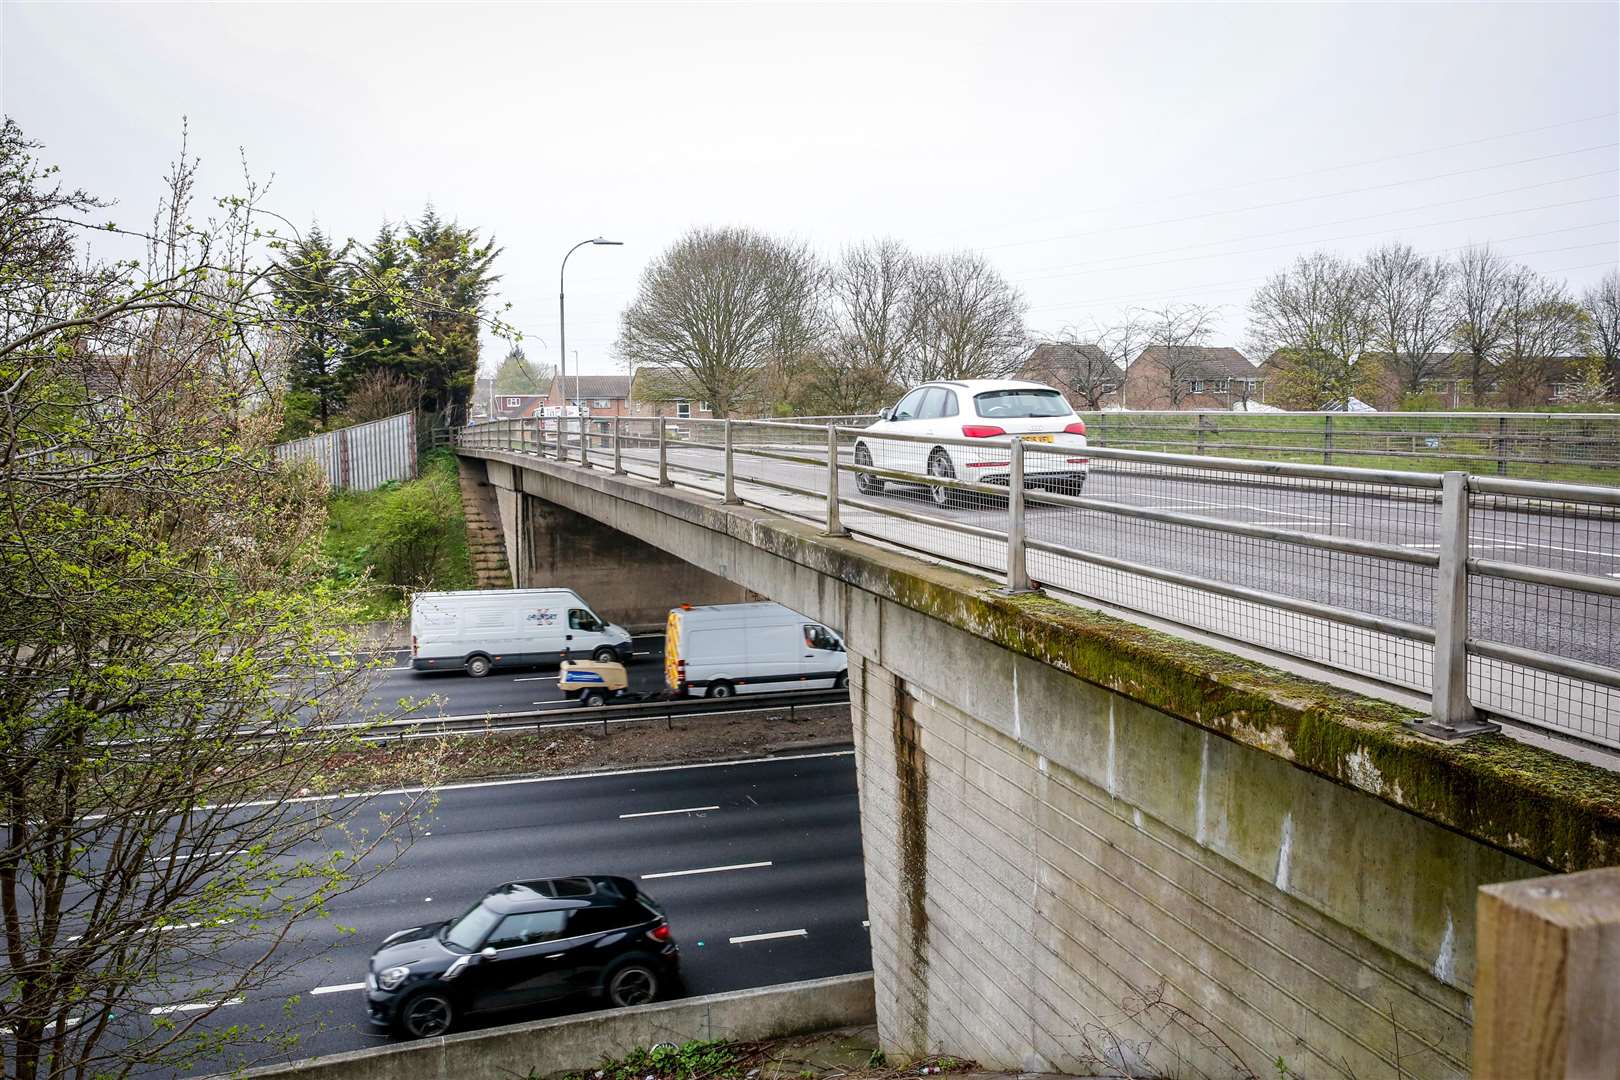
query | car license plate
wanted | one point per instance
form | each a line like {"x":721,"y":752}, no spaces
{"x":1037,"y":438}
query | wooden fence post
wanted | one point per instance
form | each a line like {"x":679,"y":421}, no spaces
{"x":1547,"y":983}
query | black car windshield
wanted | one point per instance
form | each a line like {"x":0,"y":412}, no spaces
{"x":466,"y":932}
{"x":1015,"y":404}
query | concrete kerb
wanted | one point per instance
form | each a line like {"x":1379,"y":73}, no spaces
{"x":585,"y":1041}
{"x":1557,"y":813}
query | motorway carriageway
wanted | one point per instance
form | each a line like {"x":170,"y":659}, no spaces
{"x":758,"y":865}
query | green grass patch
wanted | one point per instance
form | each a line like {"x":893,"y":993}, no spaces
{"x":401,"y":538}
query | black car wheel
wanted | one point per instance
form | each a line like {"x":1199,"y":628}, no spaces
{"x":866,"y":485}
{"x":426,"y":1015}
{"x":632,"y":982}
{"x":605,"y":655}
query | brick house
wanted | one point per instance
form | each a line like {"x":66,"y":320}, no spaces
{"x":658,"y":391}
{"x":1085,"y":376}
{"x":1192,"y":377}
{"x":603,"y":396}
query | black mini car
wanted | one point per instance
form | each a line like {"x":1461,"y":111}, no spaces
{"x":525,"y":943}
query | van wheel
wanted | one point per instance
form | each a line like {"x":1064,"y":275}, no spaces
{"x":478,"y":666}
{"x":605,"y":655}
{"x":593,"y":699}
{"x":842,"y":682}
{"x":722,"y":690}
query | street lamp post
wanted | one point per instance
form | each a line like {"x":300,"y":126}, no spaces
{"x":562,"y":321}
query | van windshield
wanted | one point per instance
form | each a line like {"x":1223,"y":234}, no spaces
{"x":1017,"y":404}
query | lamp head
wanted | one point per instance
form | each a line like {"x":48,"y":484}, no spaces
{"x":611,"y":243}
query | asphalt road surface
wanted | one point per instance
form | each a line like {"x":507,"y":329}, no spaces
{"x":732,"y":851}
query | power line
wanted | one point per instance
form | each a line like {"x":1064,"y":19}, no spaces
{"x":1360,"y":217}
{"x":1302,"y":199}
{"x":1328,"y":240}
{"x":1308,"y":172}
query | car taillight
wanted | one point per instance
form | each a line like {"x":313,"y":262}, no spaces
{"x":982,"y":431}
{"x":660,"y":933}
{"x":1076,"y":428}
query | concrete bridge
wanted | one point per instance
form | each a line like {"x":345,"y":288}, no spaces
{"x":1092,"y":845}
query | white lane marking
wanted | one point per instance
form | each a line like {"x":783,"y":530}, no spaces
{"x":1471,"y":543}
{"x":339,"y":988}
{"x":1310,"y":521}
{"x":1578,"y":551}
{"x":537,"y":678}
{"x":521,"y":780}
{"x":195,"y":1006}
{"x":705,"y":870}
{"x":171,"y":926}
{"x":660,"y":813}
{"x":866,"y":923}
{"x":1614,"y":575}
{"x":769,"y":937}
{"x":200,"y":855}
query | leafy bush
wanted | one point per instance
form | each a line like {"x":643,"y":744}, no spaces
{"x":402,"y":537}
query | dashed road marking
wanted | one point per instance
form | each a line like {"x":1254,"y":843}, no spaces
{"x":195,"y":1006}
{"x":745,"y":938}
{"x":705,"y":870}
{"x":340,"y":988}
{"x":661,"y":813}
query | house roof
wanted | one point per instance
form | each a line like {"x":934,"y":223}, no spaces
{"x":1201,"y":361}
{"x":1055,"y":358}
{"x":608,"y":387}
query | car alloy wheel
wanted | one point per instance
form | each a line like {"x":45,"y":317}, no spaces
{"x":426,"y":1015}
{"x":866,"y":485}
{"x":634,"y":984}
{"x":940,"y":466}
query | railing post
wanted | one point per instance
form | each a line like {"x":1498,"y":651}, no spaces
{"x":1452,"y":715}
{"x":1501,"y":446}
{"x":585,"y":440}
{"x":1017,"y":554}
{"x":618,"y":443}
{"x":835,"y":527}
{"x":1327,"y":438}
{"x":731,"y":468}
{"x":663,"y":453}
{"x":1202,"y":429}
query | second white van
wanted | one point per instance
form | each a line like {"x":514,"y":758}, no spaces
{"x":479,"y":630}
{"x":726,"y":649}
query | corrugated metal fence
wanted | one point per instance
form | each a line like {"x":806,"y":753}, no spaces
{"x":362,"y":457}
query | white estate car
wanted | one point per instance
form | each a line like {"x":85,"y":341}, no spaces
{"x":990,"y":409}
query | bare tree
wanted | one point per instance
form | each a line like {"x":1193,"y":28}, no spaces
{"x":1172,"y":335}
{"x":1483,"y":282}
{"x":721,"y":310}
{"x":1602,"y":304}
{"x":1410,"y":296}
{"x":872,"y":311}
{"x":1541,"y":329}
{"x":1317,"y":318}
{"x":379,"y":394}
{"x":968,"y":321}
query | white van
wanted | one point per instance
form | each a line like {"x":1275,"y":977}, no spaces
{"x":482,"y":629}
{"x":727,"y":649}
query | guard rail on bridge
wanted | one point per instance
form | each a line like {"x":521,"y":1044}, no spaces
{"x":1492,"y":596}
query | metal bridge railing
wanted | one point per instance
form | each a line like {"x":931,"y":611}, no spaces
{"x":1493,"y":597}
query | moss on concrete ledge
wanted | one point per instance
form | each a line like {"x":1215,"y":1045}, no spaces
{"x":1543,"y":807}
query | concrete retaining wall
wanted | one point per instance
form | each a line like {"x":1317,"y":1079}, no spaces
{"x":584,"y":1041}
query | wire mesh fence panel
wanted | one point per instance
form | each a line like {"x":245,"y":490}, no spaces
{"x":1564,"y":447}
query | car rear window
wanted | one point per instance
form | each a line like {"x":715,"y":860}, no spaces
{"x":1013,"y":404}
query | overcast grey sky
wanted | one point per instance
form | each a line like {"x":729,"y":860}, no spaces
{"x":1101,"y":155}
